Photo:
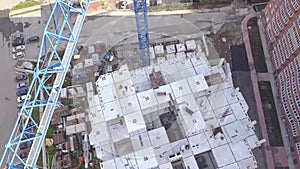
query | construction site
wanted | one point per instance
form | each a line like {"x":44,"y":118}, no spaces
{"x":180,"y":112}
{"x":151,"y":100}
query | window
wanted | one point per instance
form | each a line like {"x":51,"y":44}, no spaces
{"x":271,"y":36}
{"x":295,"y":4}
{"x":295,"y":31}
{"x":279,"y":23}
{"x":290,"y":41}
{"x":284,"y":42}
{"x":276,"y":60}
{"x":288,"y":8}
{"x":280,"y":52}
{"x":298,"y":21}
{"x":284,"y":18}
{"x":274,"y":27}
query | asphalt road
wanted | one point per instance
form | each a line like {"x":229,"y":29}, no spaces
{"x":8,"y":103}
{"x":8,"y":113}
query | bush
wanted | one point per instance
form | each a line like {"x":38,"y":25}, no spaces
{"x":51,"y":152}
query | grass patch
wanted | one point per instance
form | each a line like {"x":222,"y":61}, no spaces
{"x":256,"y":47}
{"x":67,"y":101}
{"x":27,"y":12}
{"x":270,"y":113}
{"x":36,"y":114}
{"x":167,"y":8}
{"x":30,"y":77}
{"x":102,"y":3}
{"x":50,"y":130}
{"x":26,"y":4}
{"x":50,"y":153}
{"x":40,"y":160}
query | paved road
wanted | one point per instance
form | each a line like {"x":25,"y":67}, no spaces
{"x":8,"y":113}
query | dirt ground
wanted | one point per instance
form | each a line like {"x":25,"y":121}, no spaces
{"x":229,"y":34}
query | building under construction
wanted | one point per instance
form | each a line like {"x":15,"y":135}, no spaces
{"x":179,"y":112}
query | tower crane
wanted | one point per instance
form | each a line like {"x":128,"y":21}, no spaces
{"x":140,"y":9}
{"x":68,"y":19}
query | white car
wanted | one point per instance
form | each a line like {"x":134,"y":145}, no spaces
{"x":21,"y":99}
{"x":18,"y":48}
{"x":18,"y":55}
{"x":124,"y":4}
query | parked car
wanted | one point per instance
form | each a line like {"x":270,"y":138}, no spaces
{"x":21,"y":99}
{"x":22,"y":92}
{"x":18,"y":36}
{"x":19,"y":105}
{"x":122,"y":5}
{"x":24,"y":154}
{"x":21,"y":85}
{"x":21,"y":77}
{"x":18,"y":48}
{"x":18,"y":55}
{"x":108,"y":57}
{"x":33,"y":39}
{"x":25,"y":145}
{"x":18,"y":42}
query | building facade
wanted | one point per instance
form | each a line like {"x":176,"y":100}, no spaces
{"x":282,"y":28}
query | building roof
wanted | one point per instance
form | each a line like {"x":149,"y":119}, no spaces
{"x":180,"y":47}
{"x":77,"y":128}
{"x":58,"y":138}
{"x":180,"y":88}
{"x":130,"y":104}
{"x":146,"y":157}
{"x":135,"y":121}
{"x":191,"y":45}
{"x":159,"y":49}
{"x":147,"y":99}
{"x":171,"y":48}
{"x":112,"y":110}
{"x":158,"y":137}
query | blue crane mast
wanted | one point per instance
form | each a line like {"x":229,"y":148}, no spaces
{"x":140,"y":9}
{"x":68,"y":19}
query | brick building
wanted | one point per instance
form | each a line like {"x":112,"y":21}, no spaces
{"x":282,"y":27}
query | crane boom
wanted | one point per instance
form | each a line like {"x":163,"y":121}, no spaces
{"x":68,"y":22}
{"x":52,"y":63}
{"x":140,"y":9}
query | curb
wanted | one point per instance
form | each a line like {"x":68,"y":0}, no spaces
{"x":131,"y":13}
{"x":24,"y":11}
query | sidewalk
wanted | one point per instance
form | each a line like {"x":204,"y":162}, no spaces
{"x":35,"y":12}
{"x":8,"y":4}
{"x":254,"y":79}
